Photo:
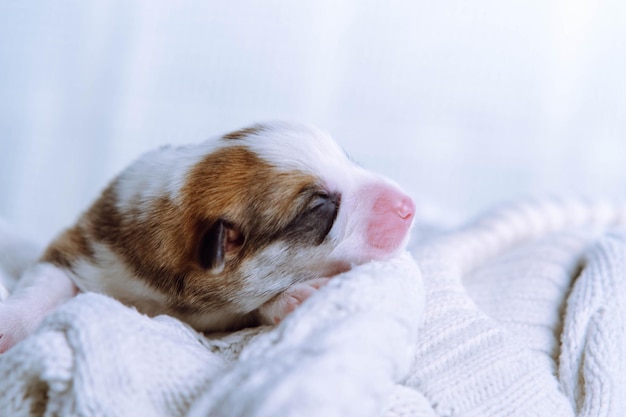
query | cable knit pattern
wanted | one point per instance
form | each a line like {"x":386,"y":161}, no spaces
{"x":524,"y":316}
{"x":328,"y":357}
{"x":592,"y":364}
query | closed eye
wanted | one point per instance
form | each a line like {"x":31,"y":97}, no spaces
{"x":318,"y":218}
{"x":323,"y":199}
{"x":328,"y":207}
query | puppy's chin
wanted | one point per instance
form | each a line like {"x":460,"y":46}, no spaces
{"x":337,"y":268}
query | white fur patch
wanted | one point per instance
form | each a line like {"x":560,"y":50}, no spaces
{"x":257,"y":288}
{"x":160,"y":173}
{"x":305,"y":148}
{"x":111,"y":277}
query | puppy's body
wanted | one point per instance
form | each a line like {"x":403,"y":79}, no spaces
{"x":236,"y":230}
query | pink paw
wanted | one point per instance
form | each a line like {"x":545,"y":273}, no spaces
{"x":275,"y":310}
{"x":12,"y":327}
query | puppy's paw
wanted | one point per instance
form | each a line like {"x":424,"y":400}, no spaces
{"x":12,"y":326}
{"x":275,"y":310}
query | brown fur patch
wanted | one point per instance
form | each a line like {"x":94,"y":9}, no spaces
{"x":159,"y":242}
{"x":245,"y":132}
{"x":66,"y":249}
{"x":150,"y":244}
{"x":235,"y":185}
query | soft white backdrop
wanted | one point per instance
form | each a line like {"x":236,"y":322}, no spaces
{"x":465,"y":103}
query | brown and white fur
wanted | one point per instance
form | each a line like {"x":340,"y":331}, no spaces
{"x":234,"y":231}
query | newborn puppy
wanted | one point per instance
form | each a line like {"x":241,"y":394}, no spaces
{"x":232,"y":232}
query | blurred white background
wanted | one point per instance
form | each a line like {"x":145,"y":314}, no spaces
{"x":464,"y":103}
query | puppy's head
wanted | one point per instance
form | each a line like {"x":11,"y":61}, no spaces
{"x":228,"y":224}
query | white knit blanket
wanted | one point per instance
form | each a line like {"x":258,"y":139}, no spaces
{"x":524,"y":315}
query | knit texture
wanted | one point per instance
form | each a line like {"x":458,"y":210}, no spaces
{"x":524,"y":316}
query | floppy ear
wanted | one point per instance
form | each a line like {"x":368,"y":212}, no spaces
{"x":213,"y":247}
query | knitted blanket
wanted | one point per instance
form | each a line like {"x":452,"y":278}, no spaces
{"x":522,"y":312}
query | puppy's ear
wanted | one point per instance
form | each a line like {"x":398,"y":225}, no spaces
{"x":212,"y":248}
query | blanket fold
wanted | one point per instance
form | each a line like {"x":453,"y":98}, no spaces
{"x":96,"y":357}
{"x":592,"y":364}
{"x":339,"y":354}
{"x":524,"y":315}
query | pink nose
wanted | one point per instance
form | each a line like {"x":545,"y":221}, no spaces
{"x":391,"y":217}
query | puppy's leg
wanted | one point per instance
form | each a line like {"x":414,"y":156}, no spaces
{"x":276,"y":309}
{"x":41,"y":289}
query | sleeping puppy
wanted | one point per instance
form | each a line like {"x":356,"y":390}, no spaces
{"x":232,"y":232}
